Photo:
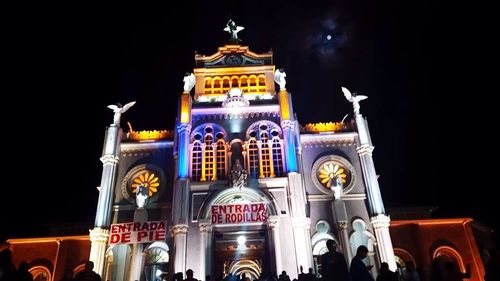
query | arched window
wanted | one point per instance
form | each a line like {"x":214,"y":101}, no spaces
{"x":446,"y":254}
{"x":196,"y":161}
{"x":208,"y":85}
{"x":268,"y":144}
{"x":208,"y":153}
{"x":156,"y":262}
{"x":253,"y":158}
{"x":209,"y":158}
{"x":265,"y":154}
{"x":277,"y":157}
{"x":40,"y":273}
{"x":221,"y":158}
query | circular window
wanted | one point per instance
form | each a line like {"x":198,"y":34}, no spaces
{"x":330,"y":171}
{"x":147,"y":177}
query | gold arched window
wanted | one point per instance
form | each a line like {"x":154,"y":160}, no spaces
{"x":196,"y":160}
{"x":221,"y":159}
{"x":253,"y":158}
{"x":209,"y":166}
{"x":277,"y":156}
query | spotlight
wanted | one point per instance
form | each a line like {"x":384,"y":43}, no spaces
{"x":241,"y":240}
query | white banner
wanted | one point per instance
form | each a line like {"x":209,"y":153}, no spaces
{"x":137,"y":232}
{"x":239,"y":213}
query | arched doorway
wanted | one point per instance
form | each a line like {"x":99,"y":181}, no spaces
{"x":241,"y":239}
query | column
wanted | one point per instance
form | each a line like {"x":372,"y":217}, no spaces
{"x":378,"y":218}
{"x":274,"y":237}
{"x":341,"y":220}
{"x":344,"y":241}
{"x":99,"y":240}
{"x":179,"y":232}
{"x":102,"y":221}
{"x":136,"y":260}
{"x":302,"y":239}
{"x":205,"y":249}
{"x":384,"y":244}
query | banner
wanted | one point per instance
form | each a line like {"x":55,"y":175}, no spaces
{"x":239,"y":213}
{"x":137,"y":232}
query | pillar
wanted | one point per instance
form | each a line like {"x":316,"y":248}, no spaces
{"x":273,"y":225}
{"x":302,"y":239}
{"x":179,"y":232}
{"x":205,"y":249}
{"x":98,"y":240}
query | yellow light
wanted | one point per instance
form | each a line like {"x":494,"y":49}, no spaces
{"x":150,"y":135}
{"x":147,"y":180}
{"x":284,"y":108}
{"x":185,"y":108}
{"x":324,"y":127}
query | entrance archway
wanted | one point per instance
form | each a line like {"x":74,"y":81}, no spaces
{"x":225,"y":253}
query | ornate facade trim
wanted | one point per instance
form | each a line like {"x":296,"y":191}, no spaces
{"x":380,"y":221}
{"x":205,"y":227}
{"x":365,"y":149}
{"x":273,"y":222}
{"x":109,"y":159}
{"x":329,"y":197}
{"x":288,"y":124}
{"x":341,"y":225}
{"x":144,"y":148}
{"x":327,"y":139}
{"x":183,"y":127}
{"x":99,"y":235}
{"x":180,"y":229}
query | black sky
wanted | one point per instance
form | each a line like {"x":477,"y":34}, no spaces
{"x":68,"y":62}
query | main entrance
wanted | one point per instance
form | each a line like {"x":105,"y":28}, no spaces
{"x":242,"y":238}
{"x":241,"y":252}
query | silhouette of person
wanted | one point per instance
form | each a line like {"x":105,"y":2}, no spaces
{"x":386,"y":274}
{"x":310,"y":276}
{"x":302,"y":275}
{"x":189,"y":275}
{"x":22,"y":273}
{"x":88,"y":273}
{"x":7,"y":270}
{"x":334,"y":266}
{"x":410,"y":273}
{"x":493,"y":266}
{"x":283,"y":276}
{"x":359,"y":271}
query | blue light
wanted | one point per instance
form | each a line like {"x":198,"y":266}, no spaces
{"x":291,"y":162}
{"x":183,"y":170}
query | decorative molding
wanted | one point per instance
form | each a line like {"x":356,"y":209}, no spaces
{"x":380,"y":221}
{"x":99,"y":235}
{"x":273,"y":222}
{"x":153,"y":205}
{"x":152,"y":135}
{"x":329,"y":197}
{"x":341,"y":225}
{"x":109,"y":159}
{"x":288,"y":124}
{"x":205,"y":226}
{"x":326,"y":127}
{"x":144,"y":147}
{"x":180,"y":229}
{"x":318,"y":163}
{"x":328,"y":139}
{"x":184,"y":127}
{"x":365,"y":149}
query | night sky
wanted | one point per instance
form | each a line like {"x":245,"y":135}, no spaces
{"x":67,"y":63}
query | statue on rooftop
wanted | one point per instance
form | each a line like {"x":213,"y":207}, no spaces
{"x":189,"y":82}
{"x":233,"y":29}
{"x":354,"y":99}
{"x":279,"y":77}
{"x":118,"y":109}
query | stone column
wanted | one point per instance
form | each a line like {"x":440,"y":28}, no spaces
{"x":344,"y":241}
{"x":205,"y":249}
{"x":274,"y":235}
{"x":384,"y":244}
{"x":136,"y":260}
{"x":179,"y":232}
{"x":99,"y":240}
{"x":378,"y":218}
{"x":302,"y":238}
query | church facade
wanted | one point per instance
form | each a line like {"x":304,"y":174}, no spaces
{"x":238,"y":187}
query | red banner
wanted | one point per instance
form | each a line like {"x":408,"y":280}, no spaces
{"x":137,"y":232}
{"x":239,"y":213}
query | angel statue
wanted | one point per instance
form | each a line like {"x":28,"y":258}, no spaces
{"x":337,"y":187}
{"x":233,"y":29}
{"x":118,"y":109}
{"x":355,"y":99}
{"x":189,"y":82}
{"x":279,"y":77}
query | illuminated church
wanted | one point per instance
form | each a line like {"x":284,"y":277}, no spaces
{"x":239,"y":186}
